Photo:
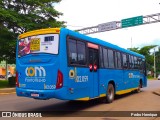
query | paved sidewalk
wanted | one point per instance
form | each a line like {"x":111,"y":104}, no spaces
{"x":7,"y":90}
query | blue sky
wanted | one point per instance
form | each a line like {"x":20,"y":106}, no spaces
{"x":85,"y":13}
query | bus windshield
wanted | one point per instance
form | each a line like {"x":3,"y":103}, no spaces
{"x":47,"y":43}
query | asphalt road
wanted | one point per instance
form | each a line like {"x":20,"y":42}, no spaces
{"x":143,"y":101}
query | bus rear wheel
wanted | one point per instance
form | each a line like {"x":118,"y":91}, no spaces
{"x":139,"y":87}
{"x":110,"y":93}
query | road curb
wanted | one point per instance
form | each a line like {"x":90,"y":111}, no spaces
{"x":156,"y":92}
{"x":7,"y":90}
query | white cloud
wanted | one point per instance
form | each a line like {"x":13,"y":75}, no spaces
{"x":86,"y":13}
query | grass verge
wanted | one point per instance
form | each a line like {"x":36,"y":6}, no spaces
{"x":4,"y":84}
{"x":152,"y":78}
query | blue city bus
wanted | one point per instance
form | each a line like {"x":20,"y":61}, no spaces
{"x":64,"y":64}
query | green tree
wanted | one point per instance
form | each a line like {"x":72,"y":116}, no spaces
{"x":7,"y":46}
{"x":134,"y":49}
{"x":18,"y":16}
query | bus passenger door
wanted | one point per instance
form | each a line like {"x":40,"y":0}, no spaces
{"x":93,"y":71}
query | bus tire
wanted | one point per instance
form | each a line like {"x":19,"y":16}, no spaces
{"x":139,"y":87}
{"x":110,"y":93}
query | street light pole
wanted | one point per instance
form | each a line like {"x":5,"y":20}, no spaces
{"x":154,"y":64}
{"x":131,"y":42}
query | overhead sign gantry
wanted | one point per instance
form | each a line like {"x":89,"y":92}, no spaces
{"x":129,"y":22}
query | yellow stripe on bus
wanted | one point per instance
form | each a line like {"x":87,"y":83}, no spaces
{"x":41,"y":31}
{"x":87,"y":98}
{"x":83,"y":99}
{"x":103,"y":95}
{"x":125,"y":91}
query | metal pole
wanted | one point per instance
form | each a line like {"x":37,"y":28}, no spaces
{"x":131,"y":42}
{"x":6,"y":70}
{"x":154,"y":64}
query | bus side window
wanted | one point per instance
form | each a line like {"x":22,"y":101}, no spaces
{"x":101,"y":57}
{"x":72,"y":51}
{"x":135,"y":62}
{"x":130,"y":62}
{"x":105,"y":57}
{"x":81,"y":51}
{"x":119,"y":61}
{"x":77,"y":52}
{"x":115,"y":59}
{"x":141,"y":64}
{"x":138,"y":63}
{"x":111,"y":58}
{"x":125,"y":62}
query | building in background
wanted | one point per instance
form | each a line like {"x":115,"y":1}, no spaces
{"x":10,"y":68}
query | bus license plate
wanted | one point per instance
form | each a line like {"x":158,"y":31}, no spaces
{"x":34,"y":95}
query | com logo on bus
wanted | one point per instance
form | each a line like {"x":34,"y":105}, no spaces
{"x":35,"y":71}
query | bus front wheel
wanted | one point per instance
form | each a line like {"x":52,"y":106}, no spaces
{"x":110,"y":93}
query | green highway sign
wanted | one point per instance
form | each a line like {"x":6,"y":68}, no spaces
{"x":129,"y":22}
